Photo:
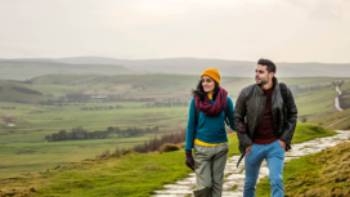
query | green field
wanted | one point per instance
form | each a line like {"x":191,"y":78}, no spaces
{"x":132,"y":101}
{"x":333,"y":120}
{"x":26,"y":141}
{"x":131,"y":175}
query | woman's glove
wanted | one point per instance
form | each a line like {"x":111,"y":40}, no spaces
{"x":189,"y":160}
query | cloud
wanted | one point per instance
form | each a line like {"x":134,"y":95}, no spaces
{"x":287,"y":30}
{"x":323,"y":9}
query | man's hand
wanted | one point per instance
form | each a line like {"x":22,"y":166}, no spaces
{"x":282,"y":144}
{"x":248,"y":149}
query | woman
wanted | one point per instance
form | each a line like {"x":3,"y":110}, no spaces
{"x":209,"y":109}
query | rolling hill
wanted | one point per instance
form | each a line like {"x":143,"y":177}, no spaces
{"x":23,"y":69}
{"x":28,"y":68}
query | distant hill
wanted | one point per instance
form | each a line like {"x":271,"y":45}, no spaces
{"x":23,"y":69}
{"x":12,"y":91}
{"x":228,"y":67}
{"x":28,"y":68}
{"x":174,"y":88}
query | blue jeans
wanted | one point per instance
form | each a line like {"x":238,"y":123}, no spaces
{"x":274,"y":155}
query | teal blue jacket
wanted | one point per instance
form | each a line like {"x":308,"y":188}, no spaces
{"x":206,"y":128}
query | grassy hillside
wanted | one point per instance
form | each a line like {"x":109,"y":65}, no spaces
{"x":323,"y":174}
{"x":23,"y":148}
{"x":74,"y":88}
{"x":25,"y":139}
{"x":19,"y":92}
{"x":134,"y":87}
{"x":333,"y":120}
{"x":36,"y":107}
{"x":131,"y":175}
{"x":305,"y":132}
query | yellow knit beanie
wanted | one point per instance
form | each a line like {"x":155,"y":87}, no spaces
{"x":212,"y":73}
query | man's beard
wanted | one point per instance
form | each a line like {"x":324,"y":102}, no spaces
{"x":261,"y":82}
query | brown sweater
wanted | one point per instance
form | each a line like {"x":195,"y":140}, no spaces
{"x":264,"y":131}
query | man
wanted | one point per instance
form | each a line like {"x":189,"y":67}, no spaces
{"x":265,"y":118}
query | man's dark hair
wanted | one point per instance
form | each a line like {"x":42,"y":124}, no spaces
{"x":271,"y":67}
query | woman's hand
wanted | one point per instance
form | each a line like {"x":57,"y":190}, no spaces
{"x":189,"y":160}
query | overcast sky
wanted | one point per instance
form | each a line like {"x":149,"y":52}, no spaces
{"x":283,"y":30}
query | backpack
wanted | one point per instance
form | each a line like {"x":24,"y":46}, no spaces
{"x":284,"y":92}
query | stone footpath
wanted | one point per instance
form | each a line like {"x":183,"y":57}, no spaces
{"x":234,"y":177}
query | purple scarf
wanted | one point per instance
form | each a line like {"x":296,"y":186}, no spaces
{"x":215,"y":108}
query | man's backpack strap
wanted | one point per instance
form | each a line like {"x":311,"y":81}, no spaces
{"x":284,"y":92}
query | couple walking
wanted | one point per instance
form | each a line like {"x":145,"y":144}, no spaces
{"x":264,"y":117}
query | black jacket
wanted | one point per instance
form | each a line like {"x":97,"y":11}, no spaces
{"x":249,"y":110}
